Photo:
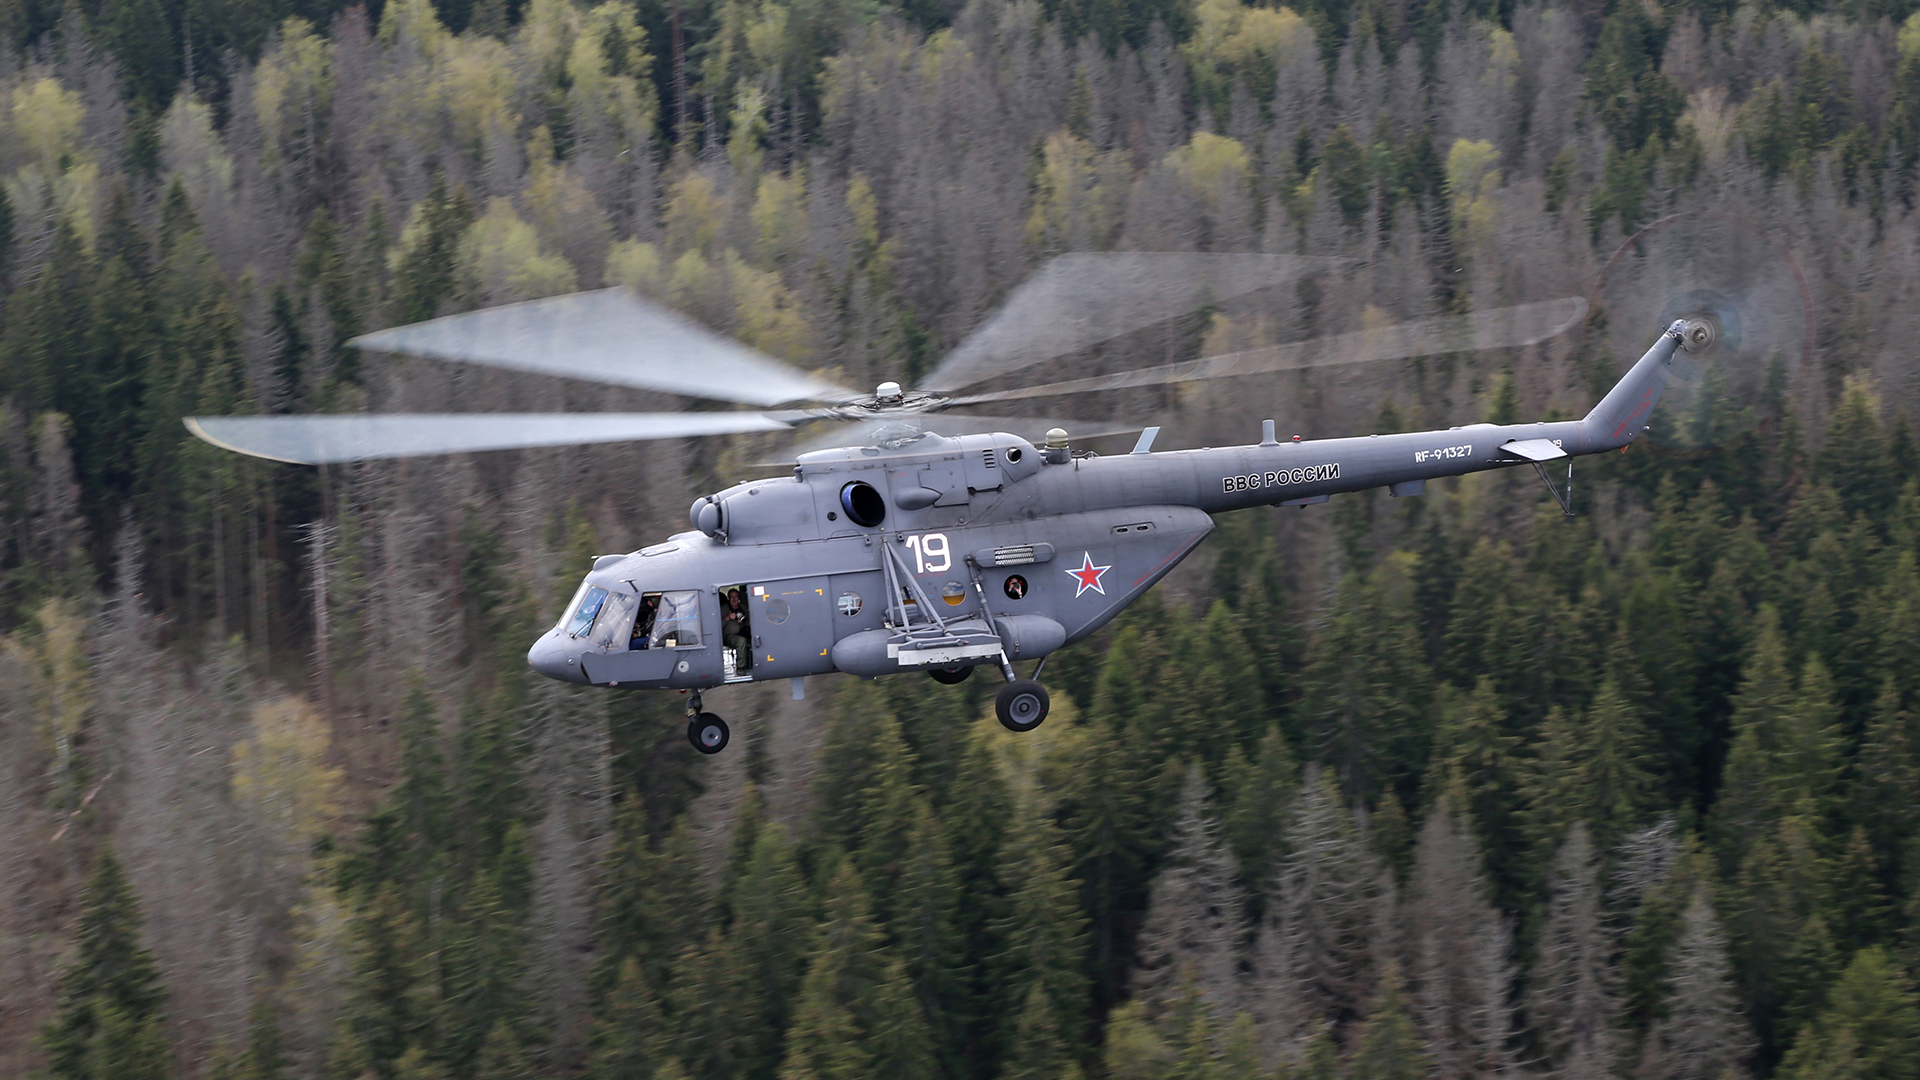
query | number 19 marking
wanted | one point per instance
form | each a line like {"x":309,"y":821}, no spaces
{"x":930,"y":553}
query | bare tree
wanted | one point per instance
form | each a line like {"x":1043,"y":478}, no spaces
{"x":1461,"y":965}
{"x":1570,"y":1000}
{"x":1311,"y":957}
{"x":1195,"y":922}
{"x":1703,"y":1036}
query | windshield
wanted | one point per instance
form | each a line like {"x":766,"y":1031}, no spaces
{"x":590,"y":602}
{"x":615,"y":624}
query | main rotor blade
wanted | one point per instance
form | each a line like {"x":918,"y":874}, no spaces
{"x":1085,"y":298}
{"x":1499,"y":328}
{"x":902,"y":431}
{"x":610,"y":336}
{"x":320,"y":440}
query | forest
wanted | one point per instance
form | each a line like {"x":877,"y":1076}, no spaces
{"x":1449,"y":786}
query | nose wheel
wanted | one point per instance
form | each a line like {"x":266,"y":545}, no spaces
{"x":708,"y":733}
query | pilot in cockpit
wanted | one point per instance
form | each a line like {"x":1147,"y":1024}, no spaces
{"x":643,"y":622}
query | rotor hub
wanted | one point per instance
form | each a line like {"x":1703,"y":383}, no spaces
{"x":1700,"y":334}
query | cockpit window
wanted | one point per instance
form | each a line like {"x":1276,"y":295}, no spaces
{"x":583,"y":615}
{"x":614,"y":627}
{"x":677,"y":623}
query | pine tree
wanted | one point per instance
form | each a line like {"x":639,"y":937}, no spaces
{"x":1109,"y":824}
{"x":502,"y":1057}
{"x":1746,"y":804}
{"x":630,"y":1037}
{"x":1311,"y":960}
{"x":1359,"y":692}
{"x":1703,"y":1034}
{"x":928,"y":935}
{"x":1853,"y":455}
{"x":1134,"y":1048}
{"x":1461,"y":962}
{"x":385,"y":1008}
{"x":426,"y":268}
{"x":652,"y":905}
{"x":1885,"y":794}
{"x":1039,"y":970}
{"x":1653,"y":666}
{"x":1255,"y":795}
{"x":882,"y":831}
{"x":856,"y":1014}
{"x":1220,"y":656}
{"x":1389,"y":1043}
{"x":108,"y":1023}
{"x":731,"y":999}
{"x":1473,"y":753}
{"x":1570,"y":996}
{"x":1871,"y":1030}
{"x":1589,"y":772}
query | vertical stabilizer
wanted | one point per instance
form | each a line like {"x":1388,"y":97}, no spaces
{"x":1623,"y":413}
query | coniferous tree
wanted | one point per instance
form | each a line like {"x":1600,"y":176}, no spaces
{"x":1311,"y":959}
{"x":1570,"y":993}
{"x":1703,"y":1034}
{"x":1389,"y":1044}
{"x":109,"y":1021}
{"x":1194,"y":920}
{"x":1359,"y":691}
{"x":1473,"y":755}
{"x":1871,"y":1029}
{"x":1255,"y":794}
{"x":734,"y":995}
{"x":630,"y":1036}
{"x":928,"y":935}
{"x":1461,"y":963}
{"x":855,"y":1014}
{"x":1766,"y":695}
{"x":1042,"y":956}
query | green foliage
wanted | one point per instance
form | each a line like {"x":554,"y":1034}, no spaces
{"x":1713,"y":677}
{"x":1871,"y":1028}
{"x":109,"y":1020}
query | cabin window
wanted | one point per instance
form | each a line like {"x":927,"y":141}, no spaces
{"x":643,"y":624}
{"x":677,"y":624}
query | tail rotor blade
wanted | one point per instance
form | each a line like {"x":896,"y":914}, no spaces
{"x":1085,"y":298}
{"x":1525,"y":324}
{"x":321,"y":440}
{"x":611,"y":336}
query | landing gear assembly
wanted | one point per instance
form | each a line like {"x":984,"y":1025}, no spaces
{"x":1021,"y":704}
{"x":708,"y":733}
{"x":950,"y":676}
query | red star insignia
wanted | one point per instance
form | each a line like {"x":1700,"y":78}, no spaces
{"x":1088,"y":575}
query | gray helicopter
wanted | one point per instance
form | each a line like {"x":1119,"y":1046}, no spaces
{"x":928,"y":539}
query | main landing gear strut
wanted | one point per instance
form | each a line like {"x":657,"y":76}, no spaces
{"x":707,"y":732}
{"x":1022,"y":703}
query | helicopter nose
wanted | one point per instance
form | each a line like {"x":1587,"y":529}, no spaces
{"x":553,"y":657}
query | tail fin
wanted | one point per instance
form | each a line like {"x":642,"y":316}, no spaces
{"x":1623,"y":413}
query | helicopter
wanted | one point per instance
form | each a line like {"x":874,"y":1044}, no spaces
{"x":927,"y":539}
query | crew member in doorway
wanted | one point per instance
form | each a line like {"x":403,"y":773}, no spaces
{"x":733,"y":630}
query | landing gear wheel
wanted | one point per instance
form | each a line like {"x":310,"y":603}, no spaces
{"x":1021,"y":705}
{"x":950,"y":676}
{"x":708,"y":733}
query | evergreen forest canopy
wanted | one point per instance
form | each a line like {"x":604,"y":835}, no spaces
{"x":1431,"y":787}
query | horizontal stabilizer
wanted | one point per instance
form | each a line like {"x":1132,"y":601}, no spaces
{"x":1533,"y":449}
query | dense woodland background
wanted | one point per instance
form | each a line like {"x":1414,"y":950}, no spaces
{"x":1440,"y":787}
